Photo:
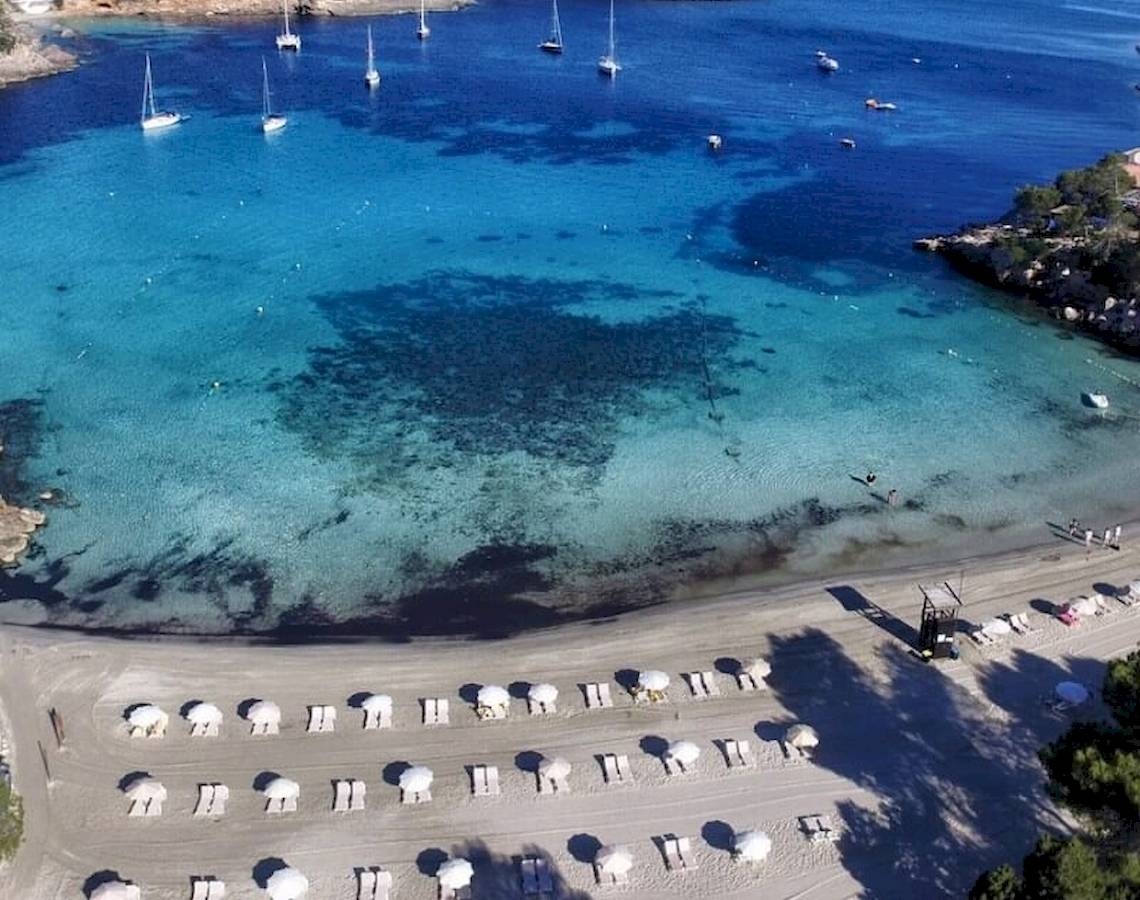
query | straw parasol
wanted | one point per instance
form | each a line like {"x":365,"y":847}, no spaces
{"x":685,"y":752}
{"x":282,"y":789}
{"x":145,"y":788}
{"x":204,"y":714}
{"x":757,"y":668}
{"x":264,"y":712}
{"x":147,"y":716}
{"x":1072,"y":692}
{"x":801,"y":736}
{"x":613,"y":860}
{"x":376,"y":704}
{"x":1083,"y":606}
{"x":113,"y":890}
{"x":543,"y":693}
{"x":416,"y":779}
{"x":752,"y":845}
{"x":287,"y":884}
{"x":653,"y":680}
{"x":493,"y":695}
{"x":553,"y":768}
{"x":455,"y":873}
{"x":996,"y":627}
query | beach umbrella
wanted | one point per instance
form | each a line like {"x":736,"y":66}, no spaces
{"x":555,"y":767}
{"x":264,"y":712}
{"x":802,"y":736}
{"x":282,"y":789}
{"x":455,"y":873}
{"x":1083,"y":606}
{"x":416,"y":779}
{"x":996,"y":627}
{"x":376,"y":704}
{"x":757,"y":668}
{"x":614,"y":860}
{"x":204,"y":714}
{"x":113,"y":890}
{"x":1134,"y":589}
{"x":147,"y":716}
{"x":493,"y":695}
{"x":652,"y":680}
{"x":145,"y":788}
{"x":685,"y":752}
{"x":1072,"y":692}
{"x":543,"y":693}
{"x":752,"y":845}
{"x":287,"y":884}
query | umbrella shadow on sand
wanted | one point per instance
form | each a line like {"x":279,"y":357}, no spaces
{"x":497,"y":875}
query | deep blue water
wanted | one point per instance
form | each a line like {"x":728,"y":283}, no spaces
{"x":502,"y":342}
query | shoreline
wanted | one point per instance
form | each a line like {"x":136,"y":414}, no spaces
{"x":192,"y":11}
{"x":33,"y":57}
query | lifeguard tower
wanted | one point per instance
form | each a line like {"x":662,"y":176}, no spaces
{"x":939,"y":620}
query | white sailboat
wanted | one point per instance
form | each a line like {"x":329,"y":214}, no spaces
{"x":553,"y":44}
{"x":151,"y":118}
{"x":371,"y":73}
{"x":287,"y":40}
{"x":608,"y":64}
{"x":270,"y":121}
{"x":422,"y":32}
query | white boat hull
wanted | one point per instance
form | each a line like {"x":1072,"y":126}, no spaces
{"x":270,"y":124}
{"x":160,"y":121}
{"x":288,"y":42}
{"x":423,"y":32}
{"x":372,"y":79}
{"x":608,"y":66}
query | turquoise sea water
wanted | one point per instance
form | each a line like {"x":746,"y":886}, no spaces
{"x":503,"y":342}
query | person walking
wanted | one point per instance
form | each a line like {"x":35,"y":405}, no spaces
{"x":892,"y":497}
{"x":1088,"y":537}
{"x":1073,"y":527}
{"x":1116,"y":537}
{"x":1107,"y":540}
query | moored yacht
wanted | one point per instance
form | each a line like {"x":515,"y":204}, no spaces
{"x":287,"y":40}
{"x":151,"y":119}
{"x":608,"y":64}
{"x":270,"y":121}
{"x":371,"y":73}
{"x":553,"y":44}
{"x":422,"y":31}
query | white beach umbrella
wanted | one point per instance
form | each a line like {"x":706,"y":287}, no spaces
{"x":757,"y":668}
{"x":685,"y":752}
{"x":264,"y":712}
{"x":113,"y":890}
{"x":147,"y":716}
{"x":1072,"y":692}
{"x":555,"y":767}
{"x":377,"y":703}
{"x":614,"y":860}
{"x":287,"y":884}
{"x":543,"y":693}
{"x":802,"y":736}
{"x":1084,"y":606}
{"x":145,"y":788}
{"x":996,"y":626}
{"x":455,"y":873}
{"x":754,"y":845}
{"x":1134,"y":589}
{"x":204,"y":714}
{"x":493,"y":695}
{"x":282,"y":789}
{"x":652,"y":680}
{"x":416,"y":779}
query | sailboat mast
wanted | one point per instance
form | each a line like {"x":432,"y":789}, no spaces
{"x":557,"y":25}
{"x":148,"y":95}
{"x":422,"y":14}
{"x":264,"y":88}
{"x":611,"y":29}
{"x":371,"y":59}
{"x":285,"y":9}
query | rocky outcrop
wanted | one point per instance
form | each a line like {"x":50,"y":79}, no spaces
{"x":33,"y":57}
{"x":16,"y":528}
{"x":1054,"y":276}
{"x":197,"y":9}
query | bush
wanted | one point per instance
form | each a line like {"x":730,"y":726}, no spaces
{"x":11,"y":821}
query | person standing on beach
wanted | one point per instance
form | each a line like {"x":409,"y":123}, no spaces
{"x":892,"y":497}
{"x":870,"y":479}
{"x":1107,"y":540}
{"x":1116,"y":537}
{"x":1088,"y":537}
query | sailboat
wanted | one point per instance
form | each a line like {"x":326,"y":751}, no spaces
{"x":371,"y":73}
{"x":423,"y":31}
{"x":553,"y":44}
{"x":270,"y":121}
{"x":151,"y":118}
{"x":287,"y":40}
{"x":608,"y":64}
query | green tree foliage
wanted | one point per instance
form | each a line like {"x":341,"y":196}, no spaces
{"x":1096,"y":189}
{"x":1065,"y":870}
{"x":1001,"y":883}
{"x":1034,"y":202}
{"x":11,"y":821}
{"x":7,"y":31}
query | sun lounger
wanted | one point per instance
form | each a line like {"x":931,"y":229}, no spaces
{"x":377,"y":719}
{"x":1019,"y":622}
{"x":265,"y":728}
{"x":748,"y":683}
{"x":154,"y":808}
{"x":436,"y":711}
{"x":138,"y":809}
{"x":1103,"y":607}
{"x":218,"y":803}
{"x":552,"y":785}
{"x":207,"y":888}
{"x":485,"y":781}
{"x":598,"y":695}
{"x":819,"y":829}
{"x":411,"y":798}
{"x":340,"y":796}
{"x":541,"y":709}
{"x":696,"y":684}
{"x":545,"y":878}
{"x":673,"y":766}
{"x":205,"y":798}
{"x":625,"y":773}
{"x":366,"y":884}
{"x":356,"y":795}
{"x":1129,"y":595}
{"x":609,"y":769}
{"x":604,"y":878}
{"x":328,"y":719}
{"x":979,"y":637}
{"x":685,"y":852}
{"x":711,"y":687}
{"x":274,"y":806}
{"x":529,"y":876}
{"x":672,"y":857}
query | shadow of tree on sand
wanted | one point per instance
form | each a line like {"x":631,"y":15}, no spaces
{"x":497,"y":875}
{"x":960,"y":790}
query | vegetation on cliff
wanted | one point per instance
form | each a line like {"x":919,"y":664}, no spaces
{"x":1094,"y":770}
{"x":11,"y":821}
{"x":7,"y":31}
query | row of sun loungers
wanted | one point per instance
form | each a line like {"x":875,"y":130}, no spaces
{"x":348,"y":795}
{"x":436,"y":711}
{"x":207,"y":889}
{"x":678,"y":854}
{"x":321,"y":719}
{"x":536,"y":878}
{"x":616,"y":768}
{"x":597,"y":695}
{"x":485,"y":781}
{"x":212,"y":800}
{"x":145,"y":808}
{"x":702,"y":684}
{"x":373,"y":884}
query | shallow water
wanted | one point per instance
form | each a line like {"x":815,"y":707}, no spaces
{"x":502,"y":342}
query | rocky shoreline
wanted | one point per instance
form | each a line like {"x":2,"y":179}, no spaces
{"x":33,"y":57}
{"x":199,"y":9}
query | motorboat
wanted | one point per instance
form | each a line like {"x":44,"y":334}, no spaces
{"x":827,"y":64}
{"x":422,"y":30}
{"x":847,"y":143}
{"x":1095,"y":399}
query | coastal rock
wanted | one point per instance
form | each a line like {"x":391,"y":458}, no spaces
{"x":32,"y":57}
{"x":1070,"y":314}
{"x":16,"y":527}
{"x":197,"y":9}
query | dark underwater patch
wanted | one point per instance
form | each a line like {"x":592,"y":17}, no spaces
{"x":21,"y":436}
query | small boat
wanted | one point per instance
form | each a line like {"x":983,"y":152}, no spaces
{"x":715,"y":142}
{"x":608,"y":64}
{"x":874,"y":104}
{"x":287,"y":40}
{"x":151,"y":119}
{"x":553,"y":44}
{"x":371,"y":73}
{"x":1095,"y":399}
{"x":270,"y":121}
{"x":847,"y":143}
{"x":827,"y":64}
{"x":422,"y":30}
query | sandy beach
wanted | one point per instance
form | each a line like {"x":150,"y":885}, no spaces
{"x":927,"y":771}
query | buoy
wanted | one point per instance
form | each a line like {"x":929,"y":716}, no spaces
{"x":261,"y":310}
{"x":715,"y":142}
{"x":215,"y":385}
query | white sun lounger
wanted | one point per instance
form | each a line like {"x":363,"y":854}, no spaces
{"x":685,"y":852}
{"x":205,"y":799}
{"x":373,"y":884}
{"x":207,"y":888}
{"x":378,"y":719}
{"x":485,"y":781}
{"x":979,"y":637}
{"x":673,"y":766}
{"x":218,"y":802}
{"x":738,"y":754}
{"x":624,"y":772}
{"x":604,"y":878}
{"x":411,"y":798}
{"x":819,"y":829}
{"x":709,"y":681}
{"x":552,"y":785}
{"x":598,"y":695}
{"x":205,"y":729}
{"x":436,"y":711}
{"x":356,"y":795}
{"x":542,"y":709}
{"x":274,"y":805}
{"x":672,"y":857}
{"x":340,"y":796}
{"x":265,"y":728}
{"x":137,"y":809}
{"x":328,"y":721}
{"x":289,"y":804}
{"x":154,"y":808}
{"x":696,"y":684}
